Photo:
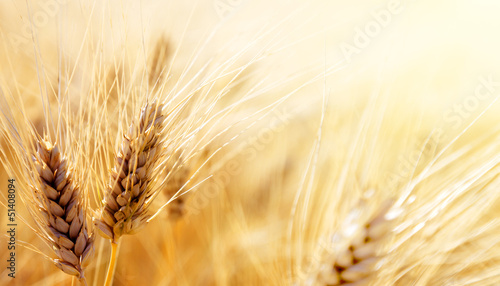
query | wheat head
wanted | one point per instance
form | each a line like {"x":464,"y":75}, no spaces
{"x":356,"y":264}
{"x":176,"y":177}
{"x":62,"y":208}
{"x":129,"y":193}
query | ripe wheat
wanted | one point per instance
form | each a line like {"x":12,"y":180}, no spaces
{"x":356,"y":263}
{"x":129,"y":193}
{"x":62,"y":209}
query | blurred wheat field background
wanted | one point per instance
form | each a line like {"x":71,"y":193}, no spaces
{"x":300,"y":143}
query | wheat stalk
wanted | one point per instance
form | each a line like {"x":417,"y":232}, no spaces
{"x":130,"y":192}
{"x":355,"y":264}
{"x":61,"y":207}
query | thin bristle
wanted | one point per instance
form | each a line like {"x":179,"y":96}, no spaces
{"x":127,"y":197}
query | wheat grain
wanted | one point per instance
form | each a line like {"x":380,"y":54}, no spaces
{"x":61,"y":206}
{"x":175,"y":178}
{"x":356,"y":263}
{"x":159,"y":60}
{"x":129,"y":193}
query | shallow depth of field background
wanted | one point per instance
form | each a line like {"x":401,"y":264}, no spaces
{"x":393,"y":71}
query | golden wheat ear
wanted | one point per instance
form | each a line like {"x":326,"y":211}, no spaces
{"x":355,"y":264}
{"x":175,"y":178}
{"x":129,"y":193}
{"x":62,"y":209}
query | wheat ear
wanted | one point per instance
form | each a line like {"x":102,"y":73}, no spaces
{"x":355,"y":264}
{"x":62,"y":209}
{"x":175,"y":178}
{"x":130,"y":191}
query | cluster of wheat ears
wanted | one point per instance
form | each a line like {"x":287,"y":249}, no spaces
{"x":235,"y":152}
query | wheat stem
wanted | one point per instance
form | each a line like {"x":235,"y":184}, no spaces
{"x":112,"y":264}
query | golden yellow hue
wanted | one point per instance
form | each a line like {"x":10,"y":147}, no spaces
{"x":303,"y":142}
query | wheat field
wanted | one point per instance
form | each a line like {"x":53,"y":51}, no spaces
{"x":238,"y":142}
